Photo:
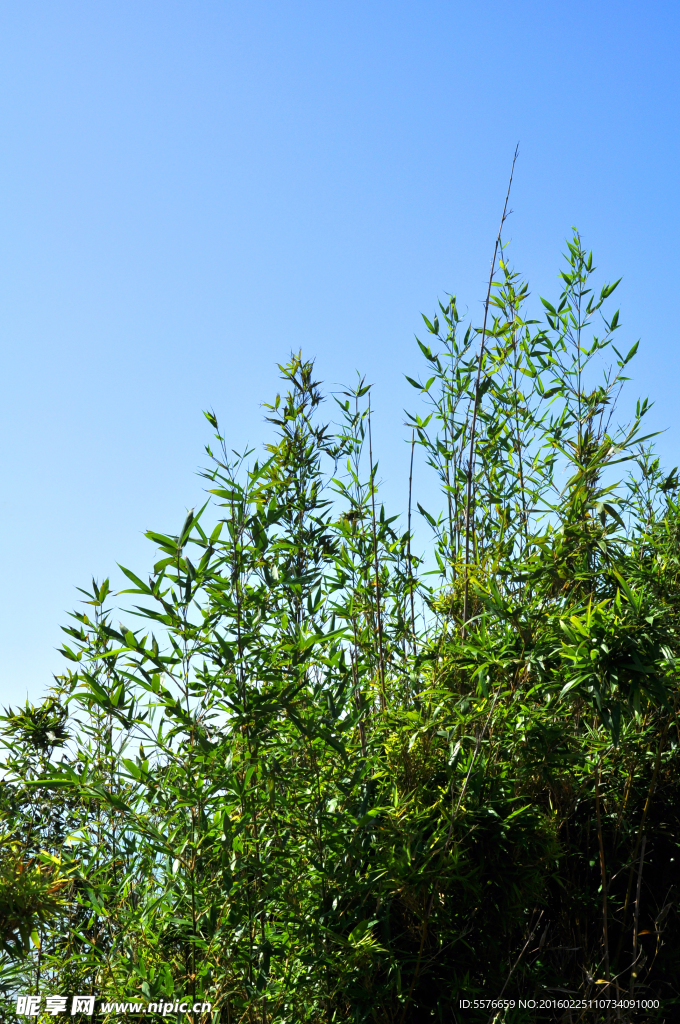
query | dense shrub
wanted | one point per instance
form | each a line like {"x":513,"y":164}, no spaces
{"x":314,"y":777}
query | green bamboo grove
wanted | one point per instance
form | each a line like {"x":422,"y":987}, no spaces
{"x":305,"y":771}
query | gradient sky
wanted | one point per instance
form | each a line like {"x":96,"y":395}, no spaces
{"x":188,"y":191}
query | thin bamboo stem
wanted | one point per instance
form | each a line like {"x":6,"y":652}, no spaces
{"x":475,"y":407}
{"x":603,"y":876}
{"x":381,"y":658}
{"x":637,"y":915}
{"x":410,"y":563}
{"x":629,"y":888}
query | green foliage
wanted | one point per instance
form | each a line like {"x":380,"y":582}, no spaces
{"x":296,"y":784}
{"x":28,"y":893}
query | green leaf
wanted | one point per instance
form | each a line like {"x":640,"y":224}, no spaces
{"x":631,"y":353}
{"x":142,"y":587}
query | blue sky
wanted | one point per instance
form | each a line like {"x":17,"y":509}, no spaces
{"x":188,"y":191}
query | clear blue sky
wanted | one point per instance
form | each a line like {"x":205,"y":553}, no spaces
{"x":188,"y":191}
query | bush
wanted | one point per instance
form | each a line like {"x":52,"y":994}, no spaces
{"x":316,"y":778}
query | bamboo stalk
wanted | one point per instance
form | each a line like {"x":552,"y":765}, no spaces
{"x":475,"y":407}
{"x":637,"y":914}
{"x":516,"y":963}
{"x":381,"y":659}
{"x":650,"y":793}
{"x":603,"y":875}
{"x":410,"y":563}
